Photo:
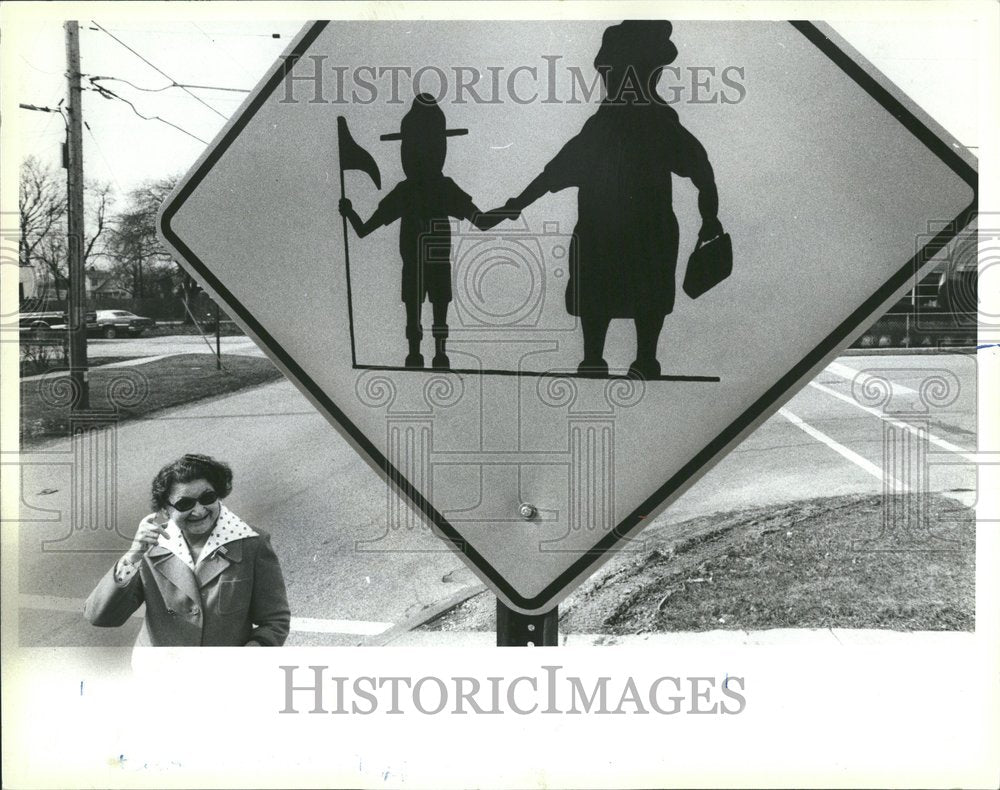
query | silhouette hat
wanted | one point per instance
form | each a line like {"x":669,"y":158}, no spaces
{"x":643,"y":44}
{"x":424,"y":121}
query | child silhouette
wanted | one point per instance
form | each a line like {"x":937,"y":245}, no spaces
{"x":424,"y":201}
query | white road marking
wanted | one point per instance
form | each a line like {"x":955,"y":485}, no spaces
{"x":53,"y":603}
{"x":839,"y":369}
{"x":942,"y":443}
{"x":313,"y":625}
{"x":308,"y":625}
{"x":837,"y":447}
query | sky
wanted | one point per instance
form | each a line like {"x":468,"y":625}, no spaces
{"x":119,"y":146}
{"x":932,"y":62}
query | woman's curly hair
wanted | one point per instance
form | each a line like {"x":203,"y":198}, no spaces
{"x":187,"y":468}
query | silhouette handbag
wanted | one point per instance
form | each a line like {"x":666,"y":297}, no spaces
{"x":709,"y":264}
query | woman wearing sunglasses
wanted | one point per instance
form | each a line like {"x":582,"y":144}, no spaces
{"x":206,"y":576}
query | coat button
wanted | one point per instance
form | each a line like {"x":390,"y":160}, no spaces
{"x":171,"y":611}
{"x":194,"y":610}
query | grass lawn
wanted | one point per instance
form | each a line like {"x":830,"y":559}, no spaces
{"x":226,"y":329}
{"x":28,"y":369}
{"x":809,"y":564}
{"x":138,"y":391}
{"x":96,"y":362}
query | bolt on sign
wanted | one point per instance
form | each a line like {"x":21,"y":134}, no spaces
{"x":543,"y":275}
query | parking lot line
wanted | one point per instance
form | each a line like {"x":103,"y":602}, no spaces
{"x":845,"y":372}
{"x":944,"y":444}
{"x":309,"y":625}
{"x":850,"y":455}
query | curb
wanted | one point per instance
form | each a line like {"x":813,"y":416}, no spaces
{"x":891,"y":352}
{"x":400,"y":630}
{"x":826,"y":638}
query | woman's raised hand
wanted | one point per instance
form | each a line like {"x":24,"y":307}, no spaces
{"x":150,"y":529}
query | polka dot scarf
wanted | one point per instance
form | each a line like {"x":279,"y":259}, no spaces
{"x":228,"y":528}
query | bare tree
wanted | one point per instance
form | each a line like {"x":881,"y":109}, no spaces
{"x":142,"y":266}
{"x":41,"y":201}
{"x":43,"y":217}
{"x":99,"y":199}
{"x":51,"y":250}
{"x":133,"y":244}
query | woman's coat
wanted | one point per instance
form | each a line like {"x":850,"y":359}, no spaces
{"x":234,"y":594}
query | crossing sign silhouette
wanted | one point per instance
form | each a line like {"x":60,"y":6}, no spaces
{"x":490,"y":309}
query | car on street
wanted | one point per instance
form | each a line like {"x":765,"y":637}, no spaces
{"x":34,"y":321}
{"x":118,"y":323}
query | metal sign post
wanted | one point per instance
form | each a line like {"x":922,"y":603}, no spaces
{"x":218,"y":338}
{"x":515,"y":629}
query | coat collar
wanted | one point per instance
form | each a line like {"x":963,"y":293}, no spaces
{"x":163,"y":560}
{"x":172,"y":558}
{"x":228,"y":528}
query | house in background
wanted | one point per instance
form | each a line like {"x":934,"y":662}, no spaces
{"x":36,"y":285}
{"x":101,"y":284}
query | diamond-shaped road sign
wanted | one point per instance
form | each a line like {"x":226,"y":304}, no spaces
{"x":828,"y":182}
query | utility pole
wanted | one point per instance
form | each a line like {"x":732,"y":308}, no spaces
{"x":77,"y":295}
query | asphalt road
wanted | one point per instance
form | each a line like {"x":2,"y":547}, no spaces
{"x":349,"y":578}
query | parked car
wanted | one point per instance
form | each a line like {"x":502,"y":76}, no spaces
{"x":28,"y":322}
{"x":118,"y":323}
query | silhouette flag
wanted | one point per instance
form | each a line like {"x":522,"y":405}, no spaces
{"x":353,"y":156}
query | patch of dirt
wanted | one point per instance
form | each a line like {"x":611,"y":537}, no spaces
{"x":829,"y":562}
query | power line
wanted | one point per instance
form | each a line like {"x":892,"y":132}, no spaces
{"x":32,"y":65}
{"x":94,"y":80}
{"x":101,"y":152}
{"x":107,"y":94}
{"x":162,"y":32}
{"x":42,"y":136}
{"x":159,"y":71}
{"x":57,"y":110}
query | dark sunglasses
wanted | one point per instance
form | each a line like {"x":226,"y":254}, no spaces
{"x":186,"y":503}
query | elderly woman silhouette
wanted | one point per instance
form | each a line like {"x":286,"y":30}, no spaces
{"x":623,"y":255}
